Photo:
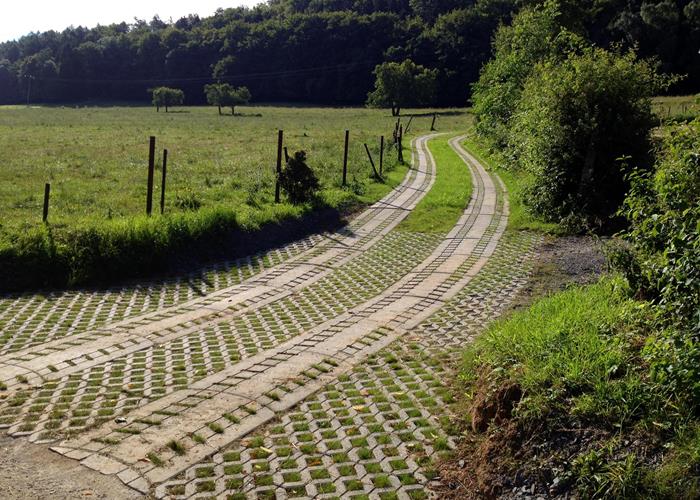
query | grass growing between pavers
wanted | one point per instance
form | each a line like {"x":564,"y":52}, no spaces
{"x":440,"y":209}
{"x":515,"y":182}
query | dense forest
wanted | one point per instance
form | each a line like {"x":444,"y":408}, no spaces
{"x":321,"y":51}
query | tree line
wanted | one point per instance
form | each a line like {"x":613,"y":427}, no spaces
{"x":322,"y":51}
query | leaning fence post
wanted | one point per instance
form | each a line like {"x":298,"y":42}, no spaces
{"x":371,"y":161}
{"x":409,"y":124}
{"x":280,"y":141}
{"x":345,"y":158}
{"x":432,"y":125}
{"x":381,"y":154}
{"x":47,"y":193}
{"x":151,"y":167}
{"x":162,"y":184}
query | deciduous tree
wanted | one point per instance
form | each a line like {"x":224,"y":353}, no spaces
{"x":402,"y":84}
{"x":165,"y":97}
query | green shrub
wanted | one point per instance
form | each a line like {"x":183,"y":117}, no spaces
{"x":536,"y":34}
{"x":298,"y":180}
{"x":664,"y":212}
{"x":574,"y":122}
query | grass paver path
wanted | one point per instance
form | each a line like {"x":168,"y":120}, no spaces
{"x":316,"y":370}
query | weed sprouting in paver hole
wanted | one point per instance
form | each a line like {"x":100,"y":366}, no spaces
{"x":325,"y":488}
{"x":216,"y":428}
{"x":198,"y":439}
{"x":155,"y":459}
{"x":388,"y":495}
{"x":283,"y":452}
{"x":250,"y":411}
{"x":256,"y":442}
{"x":417,"y":494}
{"x":289,"y":463}
{"x":148,"y":421}
{"x":233,"y":469}
{"x":177,"y":490}
{"x":232,"y":418}
{"x":177,"y":447}
{"x":346,"y":470}
{"x":206,"y":486}
{"x":381,"y":481}
{"x":261,"y":467}
{"x":354,"y":485}
{"x":232,"y":456}
{"x":126,"y":430}
{"x":273,"y":396}
{"x":203,"y":472}
{"x":265,"y":480}
{"x":260,"y":453}
{"x":234,"y":484}
{"x":319,"y":474}
{"x":373,"y":468}
{"x":22,"y":379}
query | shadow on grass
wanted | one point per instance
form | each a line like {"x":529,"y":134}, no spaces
{"x":45,"y":269}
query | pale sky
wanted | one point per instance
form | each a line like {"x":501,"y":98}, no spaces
{"x":19,"y":17}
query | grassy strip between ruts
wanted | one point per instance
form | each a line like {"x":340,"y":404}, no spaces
{"x":515,"y":181}
{"x":441,"y":208}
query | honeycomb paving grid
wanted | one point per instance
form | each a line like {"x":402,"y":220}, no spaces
{"x":32,"y":320}
{"x":74,"y":402}
{"x":378,"y":430}
{"x":374,"y":430}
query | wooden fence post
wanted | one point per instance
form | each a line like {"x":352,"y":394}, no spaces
{"x":432,"y":125}
{"x":47,"y":193}
{"x":409,"y":125}
{"x":286,"y":155}
{"x":162,"y":184}
{"x":151,"y":167}
{"x":381,"y":154}
{"x":400,"y":144}
{"x":371,"y":161}
{"x":280,"y":141}
{"x":345,"y":158}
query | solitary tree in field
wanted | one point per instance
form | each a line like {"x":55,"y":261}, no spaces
{"x":402,"y":84}
{"x":164,"y":97}
{"x":225,"y":95}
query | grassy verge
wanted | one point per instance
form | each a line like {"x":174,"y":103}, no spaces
{"x":566,"y":397}
{"x":441,"y":208}
{"x":515,"y":181}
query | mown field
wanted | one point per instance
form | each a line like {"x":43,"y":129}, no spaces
{"x":220,"y":185}
{"x":96,"y":158}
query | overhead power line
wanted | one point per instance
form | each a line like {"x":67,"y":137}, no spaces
{"x":244,"y":76}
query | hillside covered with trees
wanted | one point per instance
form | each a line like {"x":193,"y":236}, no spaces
{"x":322,"y":51}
